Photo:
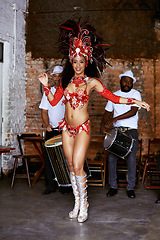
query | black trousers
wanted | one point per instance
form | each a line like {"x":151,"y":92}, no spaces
{"x":49,"y":174}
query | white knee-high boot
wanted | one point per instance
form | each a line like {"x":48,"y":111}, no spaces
{"x":74,"y":212}
{"x":82,"y":187}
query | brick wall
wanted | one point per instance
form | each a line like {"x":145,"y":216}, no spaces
{"x":147,"y":75}
{"x":131,"y":29}
{"x":34,"y":92}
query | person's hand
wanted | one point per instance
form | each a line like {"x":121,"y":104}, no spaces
{"x":146,"y":106}
{"x":109,"y":123}
{"x":103,"y":129}
{"x":142,"y":104}
{"x":107,"y":126}
{"x":49,"y":128}
{"x":43,"y":78}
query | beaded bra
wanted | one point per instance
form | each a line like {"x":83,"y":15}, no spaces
{"x":79,"y":98}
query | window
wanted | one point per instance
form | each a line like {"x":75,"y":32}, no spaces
{"x":1,"y":52}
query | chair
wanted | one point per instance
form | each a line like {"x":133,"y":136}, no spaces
{"x":122,"y":168}
{"x":96,"y":159}
{"x":24,"y":157}
{"x":151,"y":171}
{"x":139,"y":160}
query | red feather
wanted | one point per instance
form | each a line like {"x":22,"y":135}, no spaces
{"x":67,"y":28}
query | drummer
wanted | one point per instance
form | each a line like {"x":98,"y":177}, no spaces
{"x":125,"y":118}
{"x":51,"y":116}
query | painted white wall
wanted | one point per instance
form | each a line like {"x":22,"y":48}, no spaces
{"x":12,"y":34}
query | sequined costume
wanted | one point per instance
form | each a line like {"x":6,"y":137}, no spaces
{"x":76,"y":99}
{"x":81,"y":96}
{"x":73,"y":131}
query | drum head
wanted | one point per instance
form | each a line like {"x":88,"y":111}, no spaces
{"x":109,"y":138}
{"x":118,"y":143}
{"x":55,"y":141}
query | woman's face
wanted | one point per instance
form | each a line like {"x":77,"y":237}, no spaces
{"x":79,"y":66}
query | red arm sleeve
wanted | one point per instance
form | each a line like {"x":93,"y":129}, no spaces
{"x":57,"y":96}
{"x":108,"y":94}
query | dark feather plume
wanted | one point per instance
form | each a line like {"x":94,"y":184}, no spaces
{"x":71,"y":29}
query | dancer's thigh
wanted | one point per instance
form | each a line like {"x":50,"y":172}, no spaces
{"x":81,"y":144}
{"x":68,"y":145}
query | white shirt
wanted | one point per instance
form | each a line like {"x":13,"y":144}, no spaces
{"x":55,"y":113}
{"x":119,"y":109}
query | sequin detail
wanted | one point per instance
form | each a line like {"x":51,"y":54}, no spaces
{"x":75,"y":130}
{"x":78,"y":80}
{"x":79,"y":98}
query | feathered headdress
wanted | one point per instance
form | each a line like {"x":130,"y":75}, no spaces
{"x":82,"y":40}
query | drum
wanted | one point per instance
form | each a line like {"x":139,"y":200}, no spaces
{"x":54,"y":142}
{"x":59,"y":162}
{"x":118,"y":143}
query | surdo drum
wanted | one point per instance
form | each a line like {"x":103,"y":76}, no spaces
{"x":59,"y":162}
{"x":118,"y":143}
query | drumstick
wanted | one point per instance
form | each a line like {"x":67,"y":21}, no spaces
{"x":108,"y":133}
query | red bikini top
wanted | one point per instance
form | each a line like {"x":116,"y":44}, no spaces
{"x":76,"y":99}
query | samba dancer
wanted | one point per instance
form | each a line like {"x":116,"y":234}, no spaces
{"x":83,"y":45}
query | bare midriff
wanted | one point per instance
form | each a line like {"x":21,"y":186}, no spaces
{"x":75,"y":117}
